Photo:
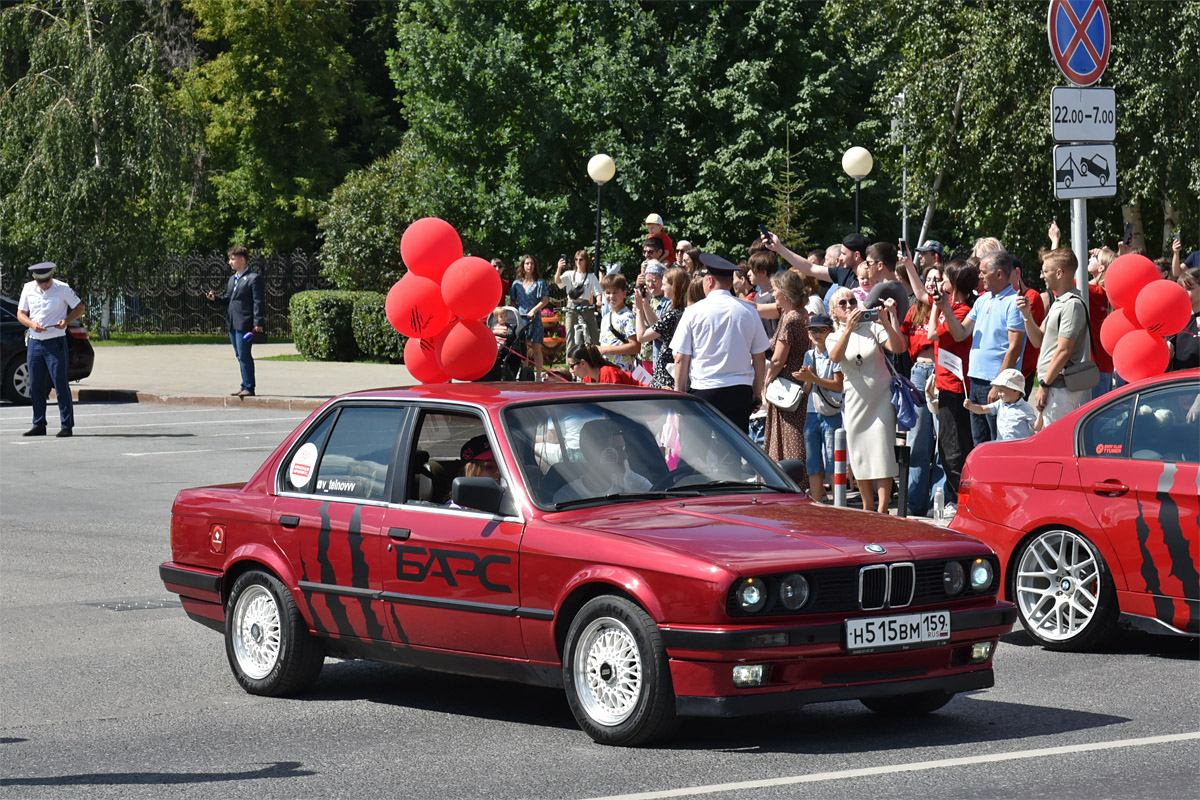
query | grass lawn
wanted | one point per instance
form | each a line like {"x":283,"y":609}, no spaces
{"x":132,"y":339}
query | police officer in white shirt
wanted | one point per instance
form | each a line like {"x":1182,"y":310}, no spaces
{"x":47,"y":307}
{"x":720,"y":346}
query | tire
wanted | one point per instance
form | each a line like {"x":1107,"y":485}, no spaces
{"x":1067,"y":182}
{"x":1063,"y":590}
{"x":16,"y":381}
{"x":267,"y":641}
{"x":616,"y":675}
{"x":908,"y":705}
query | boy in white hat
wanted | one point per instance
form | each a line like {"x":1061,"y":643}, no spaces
{"x":654,"y":230}
{"x":1015,"y":418}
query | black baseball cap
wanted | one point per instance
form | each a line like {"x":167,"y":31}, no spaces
{"x":856,"y":242}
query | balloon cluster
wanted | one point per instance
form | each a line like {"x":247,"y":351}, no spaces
{"x":440,"y":304}
{"x":1148,"y":308}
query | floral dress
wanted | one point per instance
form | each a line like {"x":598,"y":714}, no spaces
{"x":784,"y":437}
{"x":525,"y":299}
{"x":664,"y":365}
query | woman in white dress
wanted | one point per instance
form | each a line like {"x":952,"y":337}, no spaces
{"x":867,"y":412}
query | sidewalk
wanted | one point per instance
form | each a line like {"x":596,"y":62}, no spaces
{"x":206,"y":374}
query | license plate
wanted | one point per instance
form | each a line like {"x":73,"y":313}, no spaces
{"x":905,"y":630}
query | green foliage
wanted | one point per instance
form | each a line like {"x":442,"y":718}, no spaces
{"x":322,"y":325}
{"x":90,"y":150}
{"x":374,"y":335}
{"x":279,"y":94}
{"x":362,"y":223}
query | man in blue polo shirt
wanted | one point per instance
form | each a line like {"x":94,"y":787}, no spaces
{"x":998,"y":337}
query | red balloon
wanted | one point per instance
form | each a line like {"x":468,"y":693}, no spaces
{"x":1125,"y":278}
{"x":1163,"y":307}
{"x":467,"y":351}
{"x":421,"y":359}
{"x":1140,"y":354}
{"x":430,"y":245}
{"x":414,"y":307}
{"x":1114,"y":328}
{"x":471,"y":288}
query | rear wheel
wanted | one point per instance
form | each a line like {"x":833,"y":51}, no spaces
{"x":1064,"y":592}
{"x":266,"y":639}
{"x":908,"y":705}
{"x":16,"y":381}
{"x":616,"y":675}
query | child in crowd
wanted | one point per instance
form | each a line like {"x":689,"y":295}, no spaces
{"x":824,"y":405}
{"x":618,"y":329}
{"x":865,"y":283}
{"x":1015,"y":418}
{"x":654,"y":230}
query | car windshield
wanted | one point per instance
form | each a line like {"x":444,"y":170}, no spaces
{"x":581,"y":453}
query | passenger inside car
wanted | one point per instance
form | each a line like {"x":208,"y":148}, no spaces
{"x":606,"y":465}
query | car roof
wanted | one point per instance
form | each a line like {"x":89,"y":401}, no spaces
{"x":497,"y":395}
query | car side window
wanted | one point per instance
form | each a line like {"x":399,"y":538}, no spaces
{"x":436,"y":458}
{"x":1106,"y":434}
{"x":356,"y":458}
{"x":1165,"y":426}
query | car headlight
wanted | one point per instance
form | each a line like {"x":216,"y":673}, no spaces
{"x":751,"y":595}
{"x":981,"y":575}
{"x":954,"y":578}
{"x":793,"y":592}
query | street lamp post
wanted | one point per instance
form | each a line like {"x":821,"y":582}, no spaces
{"x":857,"y":163}
{"x":601,"y":169}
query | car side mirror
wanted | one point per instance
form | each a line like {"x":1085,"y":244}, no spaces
{"x":794,"y":469}
{"x":482,"y":494}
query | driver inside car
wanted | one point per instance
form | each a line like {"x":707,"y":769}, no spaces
{"x":478,"y":461}
{"x":607,"y":470}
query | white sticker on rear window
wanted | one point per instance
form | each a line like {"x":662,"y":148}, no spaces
{"x":301,"y":470}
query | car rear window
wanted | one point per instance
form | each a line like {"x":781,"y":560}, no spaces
{"x":356,"y":458}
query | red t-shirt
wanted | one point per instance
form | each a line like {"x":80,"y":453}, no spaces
{"x":944,"y":379}
{"x":918,"y":335}
{"x":1030,"y":355}
{"x":668,"y":247}
{"x":614,"y":375}
{"x":1097,"y":313}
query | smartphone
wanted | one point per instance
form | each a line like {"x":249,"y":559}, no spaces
{"x":765,"y":233}
{"x":1128,"y":237}
{"x":563,"y":256}
{"x":870,"y":315}
{"x":904,"y":247}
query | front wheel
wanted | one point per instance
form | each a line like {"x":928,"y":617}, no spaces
{"x":17,"y":387}
{"x":616,"y":675}
{"x":266,"y":639}
{"x":1064,"y":592}
{"x":908,"y":705}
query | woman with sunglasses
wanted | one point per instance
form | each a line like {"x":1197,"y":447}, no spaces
{"x":870,"y":420}
{"x":585,"y":363}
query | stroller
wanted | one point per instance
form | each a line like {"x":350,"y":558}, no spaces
{"x":509,"y":365}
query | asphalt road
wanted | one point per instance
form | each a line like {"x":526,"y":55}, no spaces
{"x":108,"y":690}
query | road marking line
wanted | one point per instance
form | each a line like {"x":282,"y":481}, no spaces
{"x":207,"y":450}
{"x":168,"y":424}
{"x":895,"y":768}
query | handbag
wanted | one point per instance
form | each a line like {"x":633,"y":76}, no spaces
{"x":784,"y":394}
{"x":906,"y":399}
{"x":1084,"y":375}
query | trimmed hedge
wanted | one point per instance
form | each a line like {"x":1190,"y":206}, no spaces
{"x":322,"y":324}
{"x":374,"y":335}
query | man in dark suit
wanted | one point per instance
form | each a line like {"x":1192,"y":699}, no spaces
{"x":244,"y":314}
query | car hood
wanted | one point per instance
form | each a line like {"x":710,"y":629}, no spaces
{"x":764,"y":534}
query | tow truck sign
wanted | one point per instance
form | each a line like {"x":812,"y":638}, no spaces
{"x":1085,"y":170}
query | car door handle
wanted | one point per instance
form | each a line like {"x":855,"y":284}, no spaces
{"x":399,"y":533}
{"x":1110,"y":488}
{"x":289,"y":521}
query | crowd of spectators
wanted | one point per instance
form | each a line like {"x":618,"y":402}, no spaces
{"x":988,"y":350}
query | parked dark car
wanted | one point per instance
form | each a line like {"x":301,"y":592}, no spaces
{"x":16,"y":386}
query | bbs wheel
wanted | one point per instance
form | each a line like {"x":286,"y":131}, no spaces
{"x":908,"y":705}
{"x":616,"y":675}
{"x":1064,"y":593}
{"x":267,"y":642}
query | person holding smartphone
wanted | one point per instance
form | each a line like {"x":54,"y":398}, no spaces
{"x":583,"y":290}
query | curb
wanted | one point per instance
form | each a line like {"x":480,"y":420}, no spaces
{"x":150,"y":398}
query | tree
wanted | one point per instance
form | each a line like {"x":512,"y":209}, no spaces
{"x":281,"y":97}
{"x":90,"y":148}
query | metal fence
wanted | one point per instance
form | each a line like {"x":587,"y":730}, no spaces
{"x":170,"y":297}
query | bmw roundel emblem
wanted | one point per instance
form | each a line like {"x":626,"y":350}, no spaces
{"x":877,"y":549}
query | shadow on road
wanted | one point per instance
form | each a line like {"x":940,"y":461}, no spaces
{"x":280,"y":769}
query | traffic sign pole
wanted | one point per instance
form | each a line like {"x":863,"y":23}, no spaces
{"x":1080,"y":245}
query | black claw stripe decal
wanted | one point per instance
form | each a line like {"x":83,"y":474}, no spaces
{"x":1169,"y":560}
{"x":360,"y":574}
{"x":337,"y":605}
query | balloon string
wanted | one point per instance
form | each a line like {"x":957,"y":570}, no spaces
{"x":534,"y":363}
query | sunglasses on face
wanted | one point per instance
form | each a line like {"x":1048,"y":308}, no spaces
{"x":844,"y":303}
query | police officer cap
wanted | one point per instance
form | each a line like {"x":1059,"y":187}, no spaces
{"x":716,"y":266}
{"x":43,"y":269}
